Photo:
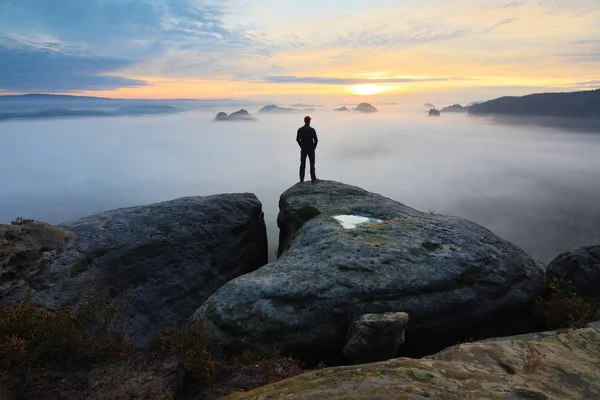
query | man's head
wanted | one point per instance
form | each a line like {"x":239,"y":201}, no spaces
{"x":307,"y":120}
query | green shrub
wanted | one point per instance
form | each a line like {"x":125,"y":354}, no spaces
{"x":562,"y":308}
{"x":30,"y":336}
{"x":191,"y":345}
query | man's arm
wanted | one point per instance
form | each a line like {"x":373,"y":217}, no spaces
{"x":315,"y":138}
{"x":298,"y":139}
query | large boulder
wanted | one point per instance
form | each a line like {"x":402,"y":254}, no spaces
{"x":167,"y":258}
{"x":455,"y":279}
{"x":581,"y":266}
{"x":556,"y":367}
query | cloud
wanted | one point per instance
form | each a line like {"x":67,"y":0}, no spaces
{"x":378,"y":37}
{"x":126,"y":27}
{"x":594,"y":84}
{"x":514,"y":3}
{"x":582,"y":51}
{"x":55,"y":67}
{"x":346,"y":81}
{"x":499,"y":24}
{"x":171,"y":38}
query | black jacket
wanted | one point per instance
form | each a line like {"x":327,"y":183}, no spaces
{"x":307,"y":138}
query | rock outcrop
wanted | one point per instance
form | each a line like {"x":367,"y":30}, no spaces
{"x":453,"y":277}
{"x":272,"y":108}
{"x":241,"y":115}
{"x":375,"y":337}
{"x":557,"y":367}
{"x":222,"y":116}
{"x":581,"y":266}
{"x":434,"y":113}
{"x":365,"y":108}
{"x":167,"y":258}
{"x":455,"y":108}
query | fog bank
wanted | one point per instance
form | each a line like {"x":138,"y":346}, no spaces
{"x":536,"y":185}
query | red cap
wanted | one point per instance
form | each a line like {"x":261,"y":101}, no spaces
{"x":307,"y":118}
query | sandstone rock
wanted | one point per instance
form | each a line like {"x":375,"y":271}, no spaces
{"x":453,"y":277}
{"x":366,"y":108}
{"x":240,"y":115}
{"x":222,"y":116}
{"x":581,"y":266}
{"x":272,"y":108}
{"x":558,"y":367}
{"x":25,"y":250}
{"x":375,"y":337}
{"x":166,"y":257}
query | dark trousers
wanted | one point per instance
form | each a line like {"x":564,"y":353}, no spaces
{"x":311,"y":157}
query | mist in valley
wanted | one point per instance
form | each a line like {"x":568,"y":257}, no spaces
{"x":537,"y":185}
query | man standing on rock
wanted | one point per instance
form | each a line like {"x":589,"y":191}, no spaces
{"x":307,"y":140}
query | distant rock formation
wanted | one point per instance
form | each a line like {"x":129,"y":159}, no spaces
{"x":342,"y":109}
{"x":429,"y":105}
{"x":222,"y":116}
{"x":167,"y":257}
{"x":272,"y":108}
{"x":434,"y":113}
{"x":571,"y":104}
{"x":241,"y":115}
{"x":365,"y":108}
{"x":450,"y":275}
{"x":455,"y":108}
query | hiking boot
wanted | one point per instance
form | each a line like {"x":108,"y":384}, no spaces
{"x":314,"y":181}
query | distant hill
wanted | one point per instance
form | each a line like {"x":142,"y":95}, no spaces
{"x":63,"y":113}
{"x":145,"y":110}
{"x":342,"y":109}
{"x":272,"y":108}
{"x":455,"y":108}
{"x":43,"y":102}
{"x":569,"y":104}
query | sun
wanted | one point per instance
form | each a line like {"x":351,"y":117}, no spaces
{"x":367,"y":89}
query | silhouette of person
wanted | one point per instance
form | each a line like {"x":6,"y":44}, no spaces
{"x":307,"y":140}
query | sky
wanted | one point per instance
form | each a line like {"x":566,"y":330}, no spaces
{"x":381,"y":50}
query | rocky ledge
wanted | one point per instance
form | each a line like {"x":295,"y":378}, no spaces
{"x":550,"y":367}
{"x":345,"y":252}
{"x":167,"y":258}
